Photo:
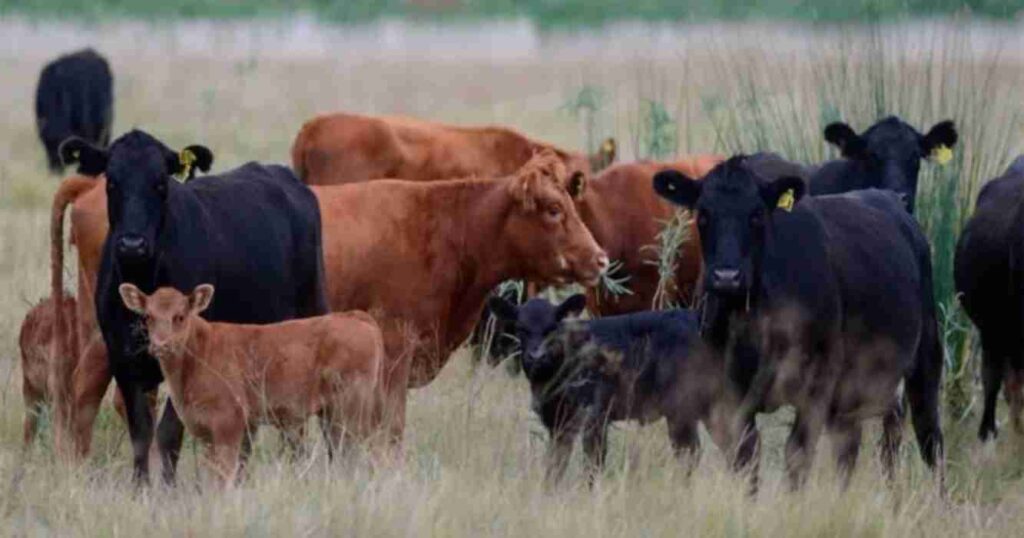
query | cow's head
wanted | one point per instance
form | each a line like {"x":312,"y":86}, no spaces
{"x":891,"y":151}
{"x":544,"y":227}
{"x":138,"y":168}
{"x":168,"y":315}
{"x":535,"y":322}
{"x":733,"y":206}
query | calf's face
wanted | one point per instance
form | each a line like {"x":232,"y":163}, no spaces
{"x":138,"y":169}
{"x":545,"y":229}
{"x":892,"y":151}
{"x":732,"y":206}
{"x":535,"y":322}
{"x":168,"y":315}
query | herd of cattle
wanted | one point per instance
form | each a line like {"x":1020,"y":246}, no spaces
{"x":268,"y":294}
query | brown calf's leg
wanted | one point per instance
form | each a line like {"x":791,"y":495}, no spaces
{"x":223,"y":454}
{"x":34,"y":402}
{"x":91,"y":379}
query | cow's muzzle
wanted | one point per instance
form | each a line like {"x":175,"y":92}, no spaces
{"x":727,"y":280}
{"x":132,"y":247}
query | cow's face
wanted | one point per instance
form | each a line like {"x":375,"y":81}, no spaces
{"x":891,"y":151}
{"x":535,"y":322}
{"x":138,"y":169}
{"x":544,"y":227}
{"x":732,"y":207}
{"x":168,"y":315}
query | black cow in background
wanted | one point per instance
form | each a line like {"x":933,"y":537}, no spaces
{"x":584,"y":374}
{"x":75,"y":97}
{"x":886,"y":156}
{"x":253,"y":232}
{"x":829,"y":302}
{"x":989,"y":275}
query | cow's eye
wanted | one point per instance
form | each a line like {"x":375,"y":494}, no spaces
{"x":554,"y":212}
{"x":179,"y":319}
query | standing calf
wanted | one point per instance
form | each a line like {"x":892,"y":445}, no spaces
{"x":227,"y":378}
{"x":586,"y":373}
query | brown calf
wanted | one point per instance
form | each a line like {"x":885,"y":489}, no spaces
{"x":227,"y":378}
{"x":349,"y":148}
{"x":426,"y":255}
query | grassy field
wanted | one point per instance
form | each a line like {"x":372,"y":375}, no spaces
{"x":474,"y":452}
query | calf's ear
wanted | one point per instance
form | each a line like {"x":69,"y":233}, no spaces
{"x":572,"y":306}
{"x":91,"y":160}
{"x":675,"y":187}
{"x":783,"y":192}
{"x":200,"y":298}
{"x":132,"y":297}
{"x":942,"y":134}
{"x":502,"y":309}
{"x":843,"y":137}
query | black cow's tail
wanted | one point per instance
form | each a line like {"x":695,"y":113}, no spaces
{"x":924,"y":382}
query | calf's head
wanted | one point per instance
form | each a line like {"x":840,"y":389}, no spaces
{"x":733,"y":207}
{"x":544,"y":227}
{"x":168,"y":315}
{"x":891,"y":151}
{"x":138,"y":169}
{"x":535,"y":322}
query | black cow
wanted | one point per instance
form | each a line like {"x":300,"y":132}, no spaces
{"x":886,"y":156}
{"x":989,"y":275}
{"x":584,"y":374}
{"x":75,"y":97}
{"x":830,"y":303}
{"x":253,"y":232}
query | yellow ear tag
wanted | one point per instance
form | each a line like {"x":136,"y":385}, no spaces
{"x":608,"y":147}
{"x":942,"y":154}
{"x":787,"y":200}
{"x":187,"y":159}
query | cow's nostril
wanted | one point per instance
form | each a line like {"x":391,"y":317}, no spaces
{"x":603,"y":262}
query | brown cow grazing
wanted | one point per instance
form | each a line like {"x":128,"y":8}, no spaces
{"x":226,"y":378}
{"x":426,"y":255}
{"x":625,"y":215}
{"x":349,"y":148}
{"x":36,"y":343}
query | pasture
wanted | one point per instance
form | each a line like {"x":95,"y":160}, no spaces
{"x":474,"y":451}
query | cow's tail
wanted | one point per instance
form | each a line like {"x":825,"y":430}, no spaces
{"x":62,"y":364}
{"x":925,"y":380}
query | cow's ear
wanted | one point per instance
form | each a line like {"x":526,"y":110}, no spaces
{"x":132,"y":297}
{"x":942,"y":135}
{"x":184,"y":163}
{"x":200,"y":298}
{"x":843,"y":137}
{"x":609,"y":152}
{"x":572,"y":306}
{"x":92,"y":161}
{"x":675,"y":187}
{"x":502,"y":309}
{"x":783,"y":192}
{"x":577,"y":185}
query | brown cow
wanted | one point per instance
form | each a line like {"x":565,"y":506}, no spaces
{"x":625,"y":215}
{"x":349,"y":148}
{"x":226,"y":378}
{"x":425,"y":255}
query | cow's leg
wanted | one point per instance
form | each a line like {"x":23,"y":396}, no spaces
{"x":992,"y":364}
{"x":246,"y":450}
{"x":685,"y":443}
{"x":747,"y":457}
{"x":559,"y":452}
{"x":224,"y":456}
{"x":140,"y":427}
{"x":91,"y":379}
{"x":34,"y":402}
{"x":595,"y":447}
{"x":169,"y":436}
{"x":846,"y":434}
{"x":801,"y":446}
{"x":892,"y":437}
{"x":1012,"y":391}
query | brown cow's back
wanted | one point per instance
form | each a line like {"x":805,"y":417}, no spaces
{"x":348,"y":148}
{"x":625,"y":215}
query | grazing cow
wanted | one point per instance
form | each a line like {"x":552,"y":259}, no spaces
{"x":36,"y":343}
{"x":75,"y":97}
{"x":825,"y":306}
{"x":225,"y":379}
{"x":253,"y":231}
{"x":640,"y":366}
{"x":886,"y":156}
{"x":425,"y":256}
{"x":349,"y":148}
{"x":989,"y":276}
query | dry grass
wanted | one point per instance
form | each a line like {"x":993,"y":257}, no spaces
{"x":474,"y":451}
